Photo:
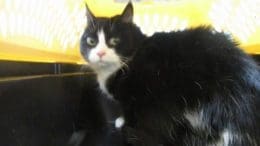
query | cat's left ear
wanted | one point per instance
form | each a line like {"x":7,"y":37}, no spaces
{"x":90,"y":16}
{"x":127,"y":15}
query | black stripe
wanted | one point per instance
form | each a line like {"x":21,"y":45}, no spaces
{"x":15,"y":68}
{"x":257,"y":58}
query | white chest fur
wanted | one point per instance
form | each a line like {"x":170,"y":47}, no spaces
{"x":105,"y":66}
{"x":102,"y":79}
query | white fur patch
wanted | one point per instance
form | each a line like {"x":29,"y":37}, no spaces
{"x":195,"y":118}
{"x":227,"y":137}
{"x":106,"y":65}
{"x":102,"y":78}
{"x":109,"y":57}
{"x":120,"y":121}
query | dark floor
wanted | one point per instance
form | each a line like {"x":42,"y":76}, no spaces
{"x":45,"y":111}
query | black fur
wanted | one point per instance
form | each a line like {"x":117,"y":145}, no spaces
{"x":93,"y":125}
{"x":195,"y":69}
{"x":171,"y":74}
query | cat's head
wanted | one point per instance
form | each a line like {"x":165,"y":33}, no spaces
{"x":108,"y":43}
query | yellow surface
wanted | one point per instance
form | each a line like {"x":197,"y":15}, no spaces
{"x":27,"y":48}
{"x":195,"y":11}
{"x":11,"y":51}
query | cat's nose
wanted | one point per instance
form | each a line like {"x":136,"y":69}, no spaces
{"x":101,"y":53}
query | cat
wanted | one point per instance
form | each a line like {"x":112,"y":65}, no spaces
{"x":93,"y":123}
{"x":193,"y":87}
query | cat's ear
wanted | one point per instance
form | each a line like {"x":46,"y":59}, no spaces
{"x":127,"y":15}
{"x":90,"y":16}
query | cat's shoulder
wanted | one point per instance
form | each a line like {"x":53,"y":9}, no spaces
{"x":205,"y":33}
{"x":196,"y":39}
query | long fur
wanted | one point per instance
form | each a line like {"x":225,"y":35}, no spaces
{"x":196,"y":72}
{"x":186,"y":88}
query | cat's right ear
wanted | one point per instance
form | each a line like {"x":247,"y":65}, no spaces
{"x":127,"y":15}
{"x":90,"y":16}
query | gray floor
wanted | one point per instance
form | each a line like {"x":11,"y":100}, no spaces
{"x":46,"y":111}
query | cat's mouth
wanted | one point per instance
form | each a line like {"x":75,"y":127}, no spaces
{"x":102,"y":63}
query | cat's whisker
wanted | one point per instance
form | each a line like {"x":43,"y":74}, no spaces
{"x":124,"y":64}
{"x":126,"y":58}
{"x":124,"y":67}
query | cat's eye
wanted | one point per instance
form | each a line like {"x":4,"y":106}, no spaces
{"x":114,"y":41}
{"x":91,"y":41}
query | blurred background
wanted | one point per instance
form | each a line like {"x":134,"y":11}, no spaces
{"x":47,"y":92}
{"x":49,"y":30}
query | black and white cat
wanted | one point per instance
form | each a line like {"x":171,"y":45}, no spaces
{"x":185,"y":88}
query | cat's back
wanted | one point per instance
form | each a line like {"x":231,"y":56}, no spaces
{"x":193,"y":41}
{"x":204,"y":66}
{"x":194,"y":69}
{"x":199,"y":50}
{"x":194,"y":58}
